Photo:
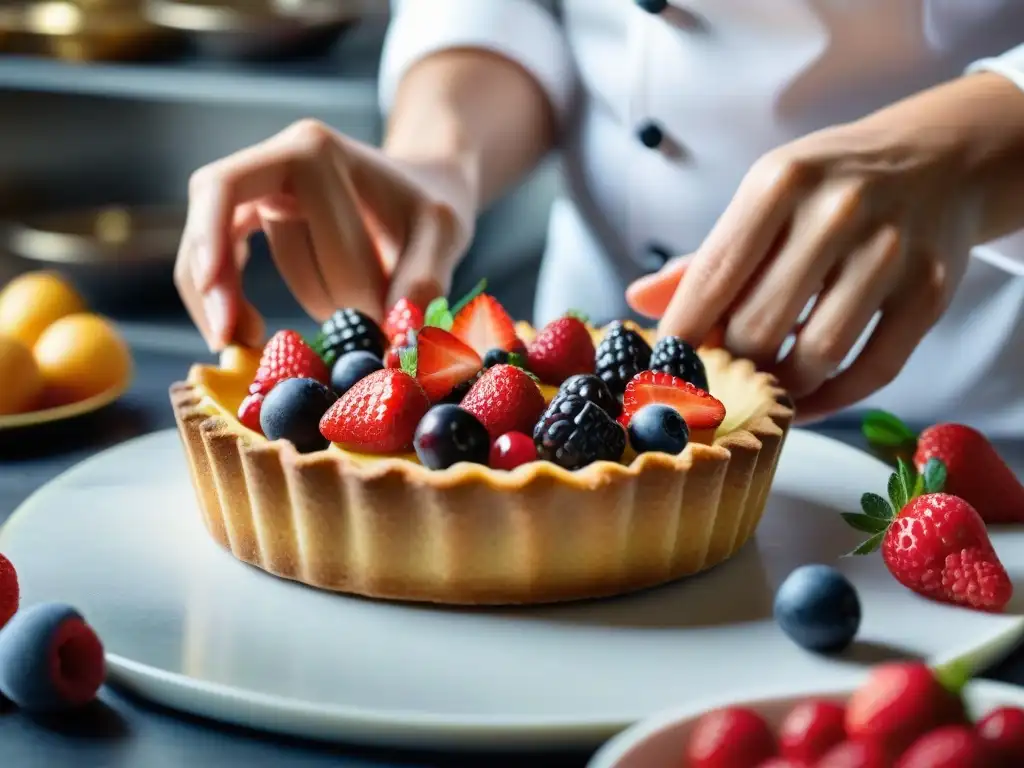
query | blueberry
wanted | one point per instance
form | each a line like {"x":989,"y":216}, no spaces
{"x":448,"y":435}
{"x":818,"y":608}
{"x":292,"y":411}
{"x":658,"y":428}
{"x":495,"y":357}
{"x":50,"y":659}
{"x":352,"y":367}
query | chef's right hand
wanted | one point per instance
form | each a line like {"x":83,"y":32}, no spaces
{"x":348,"y":226}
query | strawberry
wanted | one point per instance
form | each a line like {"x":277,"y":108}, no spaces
{"x":393,"y":357}
{"x":1002,"y":731}
{"x":379,"y":414}
{"x":484,"y":325}
{"x":782,"y":762}
{"x":403,"y":317}
{"x":855,"y":754}
{"x":901,"y":701}
{"x":10,"y":592}
{"x":934,"y":544}
{"x":811,"y":729}
{"x":699,"y":410}
{"x":505,"y":399}
{"x":974,"y":469}
{"x":440,"y":362}
{"x":952,"y":746}
{"x":562,"y":349}
{"x":726,"y":738}
{"x":285,"y":356}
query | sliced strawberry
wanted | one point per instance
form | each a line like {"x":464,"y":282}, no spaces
{"x":484,"y":325}
{"x":443,"y":362}
{"x":379,"y":414}
{"x":698,"y":409}
{"x":403,"y":317}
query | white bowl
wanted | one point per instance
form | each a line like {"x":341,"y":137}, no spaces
{"x":660,"y":740}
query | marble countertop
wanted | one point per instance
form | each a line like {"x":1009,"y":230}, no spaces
{"x":121,"y":732}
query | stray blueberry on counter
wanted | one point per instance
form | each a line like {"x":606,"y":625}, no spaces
{"x":818,"y":608}
{"x":658,"y":428}
{"x":353,"y":367}
{"x":50,"y":659}
{"x":292,"y":411}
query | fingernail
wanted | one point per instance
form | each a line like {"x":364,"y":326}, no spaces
{"x":216,"y":316}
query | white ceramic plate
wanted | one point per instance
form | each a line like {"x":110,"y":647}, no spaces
{"x":60,"y":413}
{"x":189,"y":626}
{"x":660,"y":740}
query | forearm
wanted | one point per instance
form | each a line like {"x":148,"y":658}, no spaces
{"x":976,"y":123}
{"x":474,"y":118}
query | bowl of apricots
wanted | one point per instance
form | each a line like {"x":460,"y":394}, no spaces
{"x":57,"y":359}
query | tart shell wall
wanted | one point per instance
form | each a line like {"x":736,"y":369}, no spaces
{"x":390,"y":528}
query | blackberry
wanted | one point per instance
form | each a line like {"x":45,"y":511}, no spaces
{"x":677,"y":358}
{"x":621,"y":355}
{"x":590,"y":387}
{"x":349,"y":330}
{"x":574,"y":432}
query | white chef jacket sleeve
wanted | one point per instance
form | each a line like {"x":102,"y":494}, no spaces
{"x":1007,"y":254}
{"x":526,"y":32}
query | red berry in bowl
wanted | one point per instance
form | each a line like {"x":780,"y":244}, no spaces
{"x":855,"y":754}
{"x":730,"y":738}
{"x":1002,"y":731}
{"x":952,"y":746}
{"x":811,"y":729}
{"x":511,"y":450}
{"x":9,"y":591}
{"x":898,"y":703}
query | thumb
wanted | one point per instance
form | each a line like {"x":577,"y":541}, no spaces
{"x":651,"y":294}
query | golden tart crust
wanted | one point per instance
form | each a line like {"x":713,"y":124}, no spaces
{"x":387,"y":527}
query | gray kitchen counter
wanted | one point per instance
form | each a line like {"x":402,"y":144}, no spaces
{"x":122,"y":732}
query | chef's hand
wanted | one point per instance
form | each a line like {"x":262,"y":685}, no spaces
{"x":348,"y":226}
{"x":876,"y":216}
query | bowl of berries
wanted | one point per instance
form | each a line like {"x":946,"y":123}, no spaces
{"x":903,"y":715}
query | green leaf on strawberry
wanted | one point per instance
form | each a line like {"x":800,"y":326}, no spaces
{"x":440,"y":315}
{"x":904,"y":486}
{"x":517,"y":359}
{"x":578,"y":315}
{"x":408,"y":360}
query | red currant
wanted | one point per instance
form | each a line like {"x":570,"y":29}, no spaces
{"x":729,"y":738}
{"x":811,"y":729}
{"x":1002,"y":731}
{"x":511,"y":450}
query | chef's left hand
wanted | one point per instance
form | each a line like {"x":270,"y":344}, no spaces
{"x":875,"y":216}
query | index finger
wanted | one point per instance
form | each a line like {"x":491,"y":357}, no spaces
{"x":740,"y":241}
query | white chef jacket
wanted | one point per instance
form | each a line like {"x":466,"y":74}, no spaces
{"x":664,"y":106}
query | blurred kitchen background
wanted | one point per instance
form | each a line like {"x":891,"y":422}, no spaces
{"x":107,"y":106}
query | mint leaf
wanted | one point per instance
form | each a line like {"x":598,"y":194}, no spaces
{"x":867,"y":547}
{"x":408,"y":359}
{"x":875,"y":506}
{"x":934,"y":475}
{"x":438,"y":314}
{"x":885,"y":430}
{"x":865,"y":523}
{"x":897,"y":494}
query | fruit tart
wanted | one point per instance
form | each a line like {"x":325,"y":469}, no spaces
{"x":455,"y":456}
